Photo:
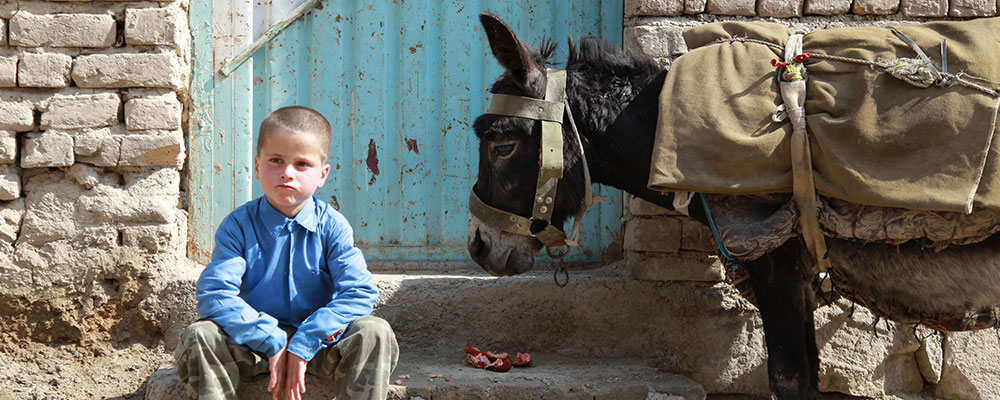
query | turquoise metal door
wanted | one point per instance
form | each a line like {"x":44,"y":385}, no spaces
{"x":401,"y":83}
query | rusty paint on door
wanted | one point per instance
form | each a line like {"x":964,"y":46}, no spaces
{"x":400,"y":83}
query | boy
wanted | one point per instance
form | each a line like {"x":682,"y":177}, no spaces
{"x":286,"y":289}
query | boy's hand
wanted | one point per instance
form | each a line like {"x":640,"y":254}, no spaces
{"x":295,"y":377}
{"x":276,"y":364}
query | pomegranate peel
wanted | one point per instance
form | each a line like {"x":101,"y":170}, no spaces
{"x":522,"y":360}
{"x":499,"y":365}
{"x":478,"y":360}
{"x":498,"y":362}
{"x":470,"y":350}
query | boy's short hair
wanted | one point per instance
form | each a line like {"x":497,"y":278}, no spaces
{"x":296,"y":119}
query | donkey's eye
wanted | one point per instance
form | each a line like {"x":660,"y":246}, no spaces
{"x":502,"y":150}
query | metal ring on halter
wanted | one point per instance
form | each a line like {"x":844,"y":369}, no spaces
{"x":562,"y":252}
{"x":555,"y":275}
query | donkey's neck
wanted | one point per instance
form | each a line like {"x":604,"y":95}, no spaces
{"x":620,"y":155}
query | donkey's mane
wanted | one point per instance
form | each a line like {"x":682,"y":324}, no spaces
{"x":600,"y":55}
{"x":605,"y":78}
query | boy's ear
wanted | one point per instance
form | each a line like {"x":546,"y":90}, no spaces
{"x":256,"y":172}
{"x":323,"y":175}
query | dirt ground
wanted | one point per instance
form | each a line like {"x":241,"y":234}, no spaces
{"x":33,"y":371}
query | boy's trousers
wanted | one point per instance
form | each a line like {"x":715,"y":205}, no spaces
{"x":360,"y":363}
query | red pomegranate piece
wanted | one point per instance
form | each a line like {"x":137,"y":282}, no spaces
{"x":522,"y":360}
{"x":470,"y":350}
{"x":478,"y":360}
{"x":499,"y":365}
{"x":498,"y":362}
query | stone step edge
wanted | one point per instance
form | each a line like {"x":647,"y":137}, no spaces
{"x":439,"y":378}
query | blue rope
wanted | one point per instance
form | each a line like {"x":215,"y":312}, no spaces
{"x":718,"y":238}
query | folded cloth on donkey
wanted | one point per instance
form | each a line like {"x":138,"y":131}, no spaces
{"x":750,"y":226}
{"x":876,"y":138}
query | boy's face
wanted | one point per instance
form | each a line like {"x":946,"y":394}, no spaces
{"x":290,"y":168}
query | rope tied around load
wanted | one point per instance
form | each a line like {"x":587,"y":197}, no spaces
{"x":914,"y":71}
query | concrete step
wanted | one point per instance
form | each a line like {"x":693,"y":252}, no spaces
{"x":550,"y":377}
{"x":601,"y":312}
{"x":702,"y":330}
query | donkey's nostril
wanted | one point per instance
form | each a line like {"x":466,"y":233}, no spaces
{"x":478,"y":248}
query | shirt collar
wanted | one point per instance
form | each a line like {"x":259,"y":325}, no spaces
{"x":277,"y":221}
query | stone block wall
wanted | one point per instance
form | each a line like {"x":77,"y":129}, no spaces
{"x":666,"y":245}
{"x":859,"y":355}
{"x":92,"y":212}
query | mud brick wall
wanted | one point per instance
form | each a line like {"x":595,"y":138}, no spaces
{"x":92,"y":210}
{"x":663,"y":245}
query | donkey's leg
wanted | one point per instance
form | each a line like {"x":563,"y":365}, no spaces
{"x":782,"y":283}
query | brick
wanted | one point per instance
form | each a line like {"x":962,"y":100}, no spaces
{"x":970,"y":366}
{"x":731,"y":7}
{"x":17,"y":116}
{"x":638,"y":206}
{"x":656,"y":41}
{"x":827,"y":7}
{"x":3,"y":32}
{"x":653,"y":234}
{"x":634,"y":8}
{"x":8,"y":71}
{"x":780,"y":8}
{"x":152,"y":182}
{"x":924,"y":8}
{"x":47,"y":149}
{"x":51,"y":213}
{"x":875,"y":7}
{"x":10,"y":182}
{"x":112,"y":208}
{"x":161,"y":149}
{"x":973,"y":8}
{"x":930,"y":359}
{"x":62,"y":30}
{"x":162,"y":112}
{"x":694,"y":6}
{"x":674,"y":267}
{"x":8,"y":146}
{"x":127,"y":70}
{"x":696,"y":237}
{"x":44,"y":70}
{"x":81,"y":111}
{"x":98,"y":147}
{"x":153,"y":26}
{"x":84,"y":175}
{"x":151,"y":238}
{"x":11,"y":213}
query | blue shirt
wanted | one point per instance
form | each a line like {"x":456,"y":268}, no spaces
{"x":267,"y":270}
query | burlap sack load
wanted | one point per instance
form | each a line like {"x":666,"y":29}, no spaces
{"x":875,"y":138}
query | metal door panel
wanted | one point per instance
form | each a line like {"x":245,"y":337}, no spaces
{"x":400,"y":83}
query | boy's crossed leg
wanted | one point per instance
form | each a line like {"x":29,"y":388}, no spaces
{"x":360,"y":363}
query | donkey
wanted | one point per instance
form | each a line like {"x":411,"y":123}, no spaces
{"x":613,"y":94}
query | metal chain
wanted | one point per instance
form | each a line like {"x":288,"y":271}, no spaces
{"x":555,"y":275}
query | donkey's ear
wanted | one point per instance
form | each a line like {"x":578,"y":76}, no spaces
{"x":513,"y":56}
